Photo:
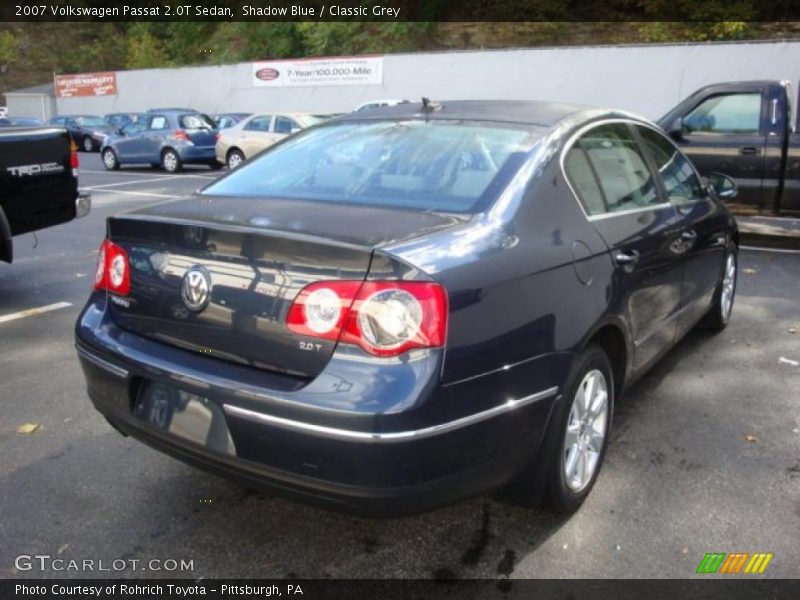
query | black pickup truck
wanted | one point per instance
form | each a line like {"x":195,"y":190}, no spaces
{"x":38,"y":182}
{"x":746,"y":130}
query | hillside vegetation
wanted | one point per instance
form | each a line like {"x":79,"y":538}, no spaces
{"x":30,"y":53}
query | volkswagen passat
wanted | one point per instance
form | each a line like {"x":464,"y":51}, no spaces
{"x":410,"y":305}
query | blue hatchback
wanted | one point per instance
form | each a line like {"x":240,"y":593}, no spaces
{"x":168,"y":139}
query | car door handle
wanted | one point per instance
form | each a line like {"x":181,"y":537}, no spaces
{"x":626,"y":259}
{"x":749,"y":150}
{"x":689,"y":235}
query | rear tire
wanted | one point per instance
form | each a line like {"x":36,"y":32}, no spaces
{"x":87,"y":144}
{"x":583,"y":427}
{"x":719,"y":315}
{"x":235,"y":158}
{"x":170,"y":161}
{"x":110,"y":160}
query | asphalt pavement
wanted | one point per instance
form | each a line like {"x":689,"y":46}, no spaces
{"x":705,"y":453}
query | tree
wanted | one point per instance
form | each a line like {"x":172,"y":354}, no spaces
{"x":9,"y":50}
{"x":145,"y":51}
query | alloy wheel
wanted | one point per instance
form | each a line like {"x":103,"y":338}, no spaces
{"x":586,"y":430}
{"x":728,"y":287}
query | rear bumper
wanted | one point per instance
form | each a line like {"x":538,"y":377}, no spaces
{"x":83,"y":204}
{"x":198,"y":154}
{"x":416,"y":455}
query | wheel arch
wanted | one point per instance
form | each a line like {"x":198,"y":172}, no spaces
{"x":610,"y":335}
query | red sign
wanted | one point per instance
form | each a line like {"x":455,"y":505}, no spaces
{"x":86,"y":84}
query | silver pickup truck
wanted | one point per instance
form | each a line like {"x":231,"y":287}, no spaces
{"x":38,"y":182}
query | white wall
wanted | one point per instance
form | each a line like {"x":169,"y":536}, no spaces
{"x":644,"y":79}
{"x":37,"y":106}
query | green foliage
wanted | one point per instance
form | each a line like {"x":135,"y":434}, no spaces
{"x":8,"y":47}
{"x":145,"y":50}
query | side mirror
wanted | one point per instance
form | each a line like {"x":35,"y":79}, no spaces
{"x":294,"y":130}
{"x":676,"y":129}
{"x":121,"y":131}
{"x":723,"y":186}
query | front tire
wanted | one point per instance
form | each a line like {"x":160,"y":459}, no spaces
{"x":110,"y":160}
{"x":170,"y":161}
{"x":718,"y":316}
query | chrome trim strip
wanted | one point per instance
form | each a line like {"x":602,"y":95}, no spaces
{"x":389,"y":437}
{"x":99,"y":362}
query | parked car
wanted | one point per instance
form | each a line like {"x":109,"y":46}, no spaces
{"x":251,"y":135}
{"x":747,"y":130}
{"x":379,"y":104}
{"x":88,"y":131}
{"x":119,"y":120}
{"x":400,"y":308}
{"x":39,"y":179}
{"x":166,"y":139}
{"x":3,"y":112}
{"x":25,"y":121}
{"x":226,"y":120}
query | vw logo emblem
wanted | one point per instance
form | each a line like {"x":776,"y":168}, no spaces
{"x":196,"y":288}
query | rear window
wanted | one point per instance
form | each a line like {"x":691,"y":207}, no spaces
{"x":446,"y":166}
{"x":196,"y":121}
{"x":91,"y":121}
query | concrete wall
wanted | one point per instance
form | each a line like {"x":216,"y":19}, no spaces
{"x":37,"y":106}
{"x":643,"y":79}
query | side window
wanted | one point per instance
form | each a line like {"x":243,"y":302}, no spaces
{"x":732,"y":113}
{"x":259,"y":123}
{"x":158,"y":122}
{"x":620,"y":169}
{"x":582,"y":177}
{"x":285,"y":125}
{"x":680,"y":180}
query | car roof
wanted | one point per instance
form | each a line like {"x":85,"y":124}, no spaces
{"x":510,"y":111}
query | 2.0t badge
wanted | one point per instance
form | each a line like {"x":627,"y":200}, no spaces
{"x":196,"y":288}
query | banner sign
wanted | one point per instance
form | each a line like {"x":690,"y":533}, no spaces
{"x":353,"y":70}
{"x":86,"y":84}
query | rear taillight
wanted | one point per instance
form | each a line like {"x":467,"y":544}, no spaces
{"x":74,"y":162}
{"x":113,"y":269}
{"x":180,"y":134}
{"x":385,"y":318}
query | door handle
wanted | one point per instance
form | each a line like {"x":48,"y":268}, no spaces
{"x":626,"y":259}
{"x":749,"y":150}
{"x":689,"y":235}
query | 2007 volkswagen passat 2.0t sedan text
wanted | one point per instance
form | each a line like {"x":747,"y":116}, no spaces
{"x":403,"y":307}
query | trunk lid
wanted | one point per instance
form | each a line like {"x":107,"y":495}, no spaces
{"x":256,"y":255}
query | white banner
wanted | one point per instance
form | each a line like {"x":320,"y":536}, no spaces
{"x":355,"y":70}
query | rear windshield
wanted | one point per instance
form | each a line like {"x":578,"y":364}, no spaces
{"x":444,"y":166}
{"x":197,"y":121}
{"x":91,"y":121}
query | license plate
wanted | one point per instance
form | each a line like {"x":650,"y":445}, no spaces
{"x":188,"y":416}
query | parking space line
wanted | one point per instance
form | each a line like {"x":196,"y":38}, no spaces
{"x":129,"y":193}
{"x":133,"y":173}
{"x":131,"y":182}
{"x":33,"y":311}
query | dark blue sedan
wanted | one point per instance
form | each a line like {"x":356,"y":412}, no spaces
{"x":168,"y":139}
{"x":408,"y":305}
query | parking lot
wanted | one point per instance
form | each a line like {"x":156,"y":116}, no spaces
{"x":705,"y":453}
